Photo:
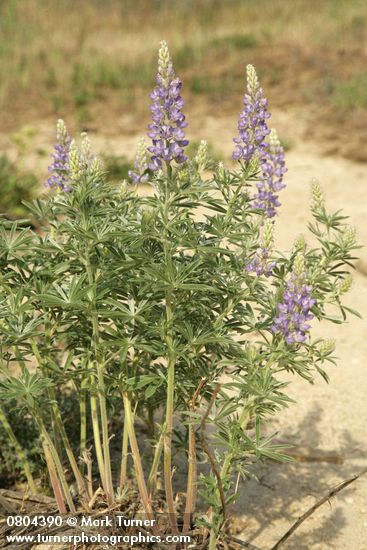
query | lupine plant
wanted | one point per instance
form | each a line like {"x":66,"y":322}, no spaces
{"x":169,"y":315}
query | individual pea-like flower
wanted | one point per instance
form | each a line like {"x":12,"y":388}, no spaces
{"x":273,"y":168}
{"x":139,"y":174}
{"x":252,"y":126}
{"x":168,"y":121}
{"x":260,"y":263}
{"x":293,"y":315}
{"x":59,"y":169}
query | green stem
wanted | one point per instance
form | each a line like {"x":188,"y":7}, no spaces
{"x":150,"y":422}
{"x":19,"y":451}
{"x":60,"y":428}
{"x":137,"y":460}
{"x":101,"y":388}
{"x":83,"y":417}
{"x":59,"y":497}
{"x":191,"y":480}
{"x":97,"y":436}
{"x":213,"y":539}
{"x":191,"y":491}
{"x":105,"y":436}
{"x":168,"y":444}
{"x":243,"y":421}
{"x":45,"y":436}
{"x":124,"y":455}
{"x":167,"y":461}
{"x":154,"y":470}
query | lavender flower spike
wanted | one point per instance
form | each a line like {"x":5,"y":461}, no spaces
{"x":271,"y":182}
{"x":59,"y":169}
{"x":294,"y":311}
{"x":260,"y":264}
{"x":168,"y":121}
{"x":139,"y":175}
{"x":252,"y":126}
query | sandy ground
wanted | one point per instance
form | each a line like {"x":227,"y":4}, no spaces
{"x":326,"y":418}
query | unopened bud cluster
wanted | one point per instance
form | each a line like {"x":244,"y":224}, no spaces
{"x":318,"y":201}
{"x":201,"y":158}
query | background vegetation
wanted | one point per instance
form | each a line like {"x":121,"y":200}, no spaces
{"x":94,"y":58}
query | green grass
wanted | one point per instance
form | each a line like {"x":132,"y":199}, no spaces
{"x":351,"y":94}
{"x":213,"y":153}
{"x":71,"y":58}
{"x":117,"y":166}
{"x":16,"y":185}
{"x":234,"y":42}
{"x":197,"y":54}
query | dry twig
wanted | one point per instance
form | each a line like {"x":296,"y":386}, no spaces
{"x":313,"y":508}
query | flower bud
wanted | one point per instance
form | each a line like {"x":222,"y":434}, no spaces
{"x":61,"y":131}
{"x":274,"y":141}
{"x":201,"y":157}
{"x":344,"y":285}
{"x":349,"y":237}
{"x":75,"y":161}
{"x":95,"y":168}
{"x":141,"y":152}
{"x":85,"y":146}
{"x":252,"y":80}
{"x":164,"y":62}
{"x":299,"y":264}
{"x":318,"y":201}
{"x":123,"y":188}
{"x":267,"y":235}
{"x":327,"y":347}
{"x":300,"y":243}
{"x":183,"y":175}
{"x":222,"y":171}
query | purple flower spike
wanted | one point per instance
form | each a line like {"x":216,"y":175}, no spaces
{"x":271,"y":182}
{"x":252,"y":126}
{"x":168,"y":121}
{"x":294,"y":311}
{"x":59,"y":169}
